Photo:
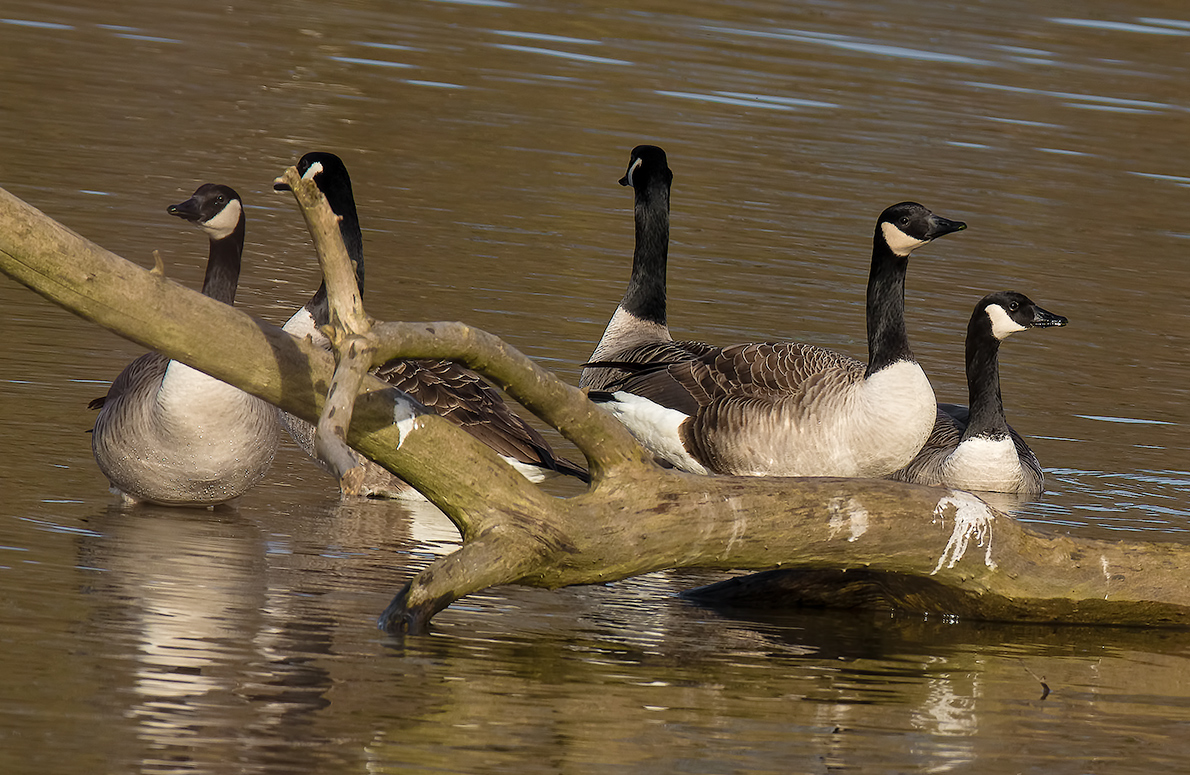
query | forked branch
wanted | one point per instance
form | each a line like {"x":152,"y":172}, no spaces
{"x":924,"y":549}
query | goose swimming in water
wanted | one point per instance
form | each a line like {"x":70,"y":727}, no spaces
{"x":790,"y":409}
{"x":638,"y":332}
{"x":973,"y":447}
{"x":443,"y":387}
{"x":169,"y":434}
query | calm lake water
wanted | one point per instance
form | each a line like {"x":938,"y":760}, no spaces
{"x":485,"y":139}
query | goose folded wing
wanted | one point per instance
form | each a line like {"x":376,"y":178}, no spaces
{"x":927,"y":466}
{"x":609,"y":374}
{"x":463,"y":397}
{"x":148,"y":368}
{"x":764,"y":371}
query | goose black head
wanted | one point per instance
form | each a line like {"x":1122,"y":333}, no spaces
{"x":1007,"y":312}
{"x":907,"y":226}
{"x":214,"y":208}
{"x":646,"y":166}
{"x":329,"y":173}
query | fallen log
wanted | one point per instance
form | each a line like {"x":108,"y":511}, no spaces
{"x":863,"y":542}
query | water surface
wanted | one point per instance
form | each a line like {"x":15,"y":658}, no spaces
{"x":485,"y":139}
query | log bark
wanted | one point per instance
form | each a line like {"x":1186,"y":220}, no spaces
{"x":832,"y":541}
{"x":348,"y":331}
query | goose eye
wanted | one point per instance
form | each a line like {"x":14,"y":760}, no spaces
{"x":1014,"y":306}
{"x":904,"y":220}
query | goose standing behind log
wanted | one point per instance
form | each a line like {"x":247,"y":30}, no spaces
{"x":789,"y":409}
{"x":170,"y":434}
{"x":638,"y":332}
{"x":973,"y":447}
{"x":444,"y":387}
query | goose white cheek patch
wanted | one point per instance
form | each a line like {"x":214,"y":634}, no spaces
{"x":900,"y":242}
{"x":314,"y":170}
{"x":632,"y":170}
{"x":1002,"y":324}
{"x":224,"y":223}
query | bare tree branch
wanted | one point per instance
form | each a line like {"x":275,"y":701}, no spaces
{"x":850,"y":541}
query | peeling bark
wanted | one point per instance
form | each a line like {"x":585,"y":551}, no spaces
{"x":831,"y":541}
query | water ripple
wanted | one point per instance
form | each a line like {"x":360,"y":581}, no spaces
{"x":723,"y":98}
{"x":146,"y":38}
{"x":435,"y":84}
{"x":54,"y":527}
{"x":386,"y":46}
{"x":1128,"y":420}
{"x":1165,"y":22}
{"x":849,"y":43}
{"x":1100,"y":24}
{"x":562,"y":54}
{"x":794,"y":101}
{"x":483,"y":3}
{"x":1075,"y":99}
{"x":547,"y":37}
{"x":39,"y":25}
{"x":372,"y":62}
{"x":1178,"y":179}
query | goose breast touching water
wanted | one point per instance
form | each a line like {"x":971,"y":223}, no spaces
{"x":792,"y":409}
{"x":444,"y":387}
{"x":169,"y":434}
{"x":973,"y":447}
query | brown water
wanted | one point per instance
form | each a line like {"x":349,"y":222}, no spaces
{"x":485,"y":139}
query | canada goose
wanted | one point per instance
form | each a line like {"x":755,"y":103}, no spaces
{"x":444,"y":387}
{"x":794,"y":409}
{"x":974,"y":448}
{"x":170,"y":434}
{"x":638,"y":332}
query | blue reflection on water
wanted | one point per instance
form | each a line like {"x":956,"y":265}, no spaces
{"x":1100,"y":24}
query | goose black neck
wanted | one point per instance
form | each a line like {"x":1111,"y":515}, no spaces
{"x":983,"y":382}
{"x":888,"y":339}
{"x":353,"y":241}
{"x":223,"y":266}
{"x":645,"y":297}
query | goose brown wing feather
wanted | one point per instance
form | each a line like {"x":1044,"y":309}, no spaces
{"x":463,"y":397}
{"x":609,"y":373}
{"x":148,"y":369}
{"x":767,"y":371}
{"x":721,"y":452}
{"x":1029,"y":462}
{"x":961,"y":415}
